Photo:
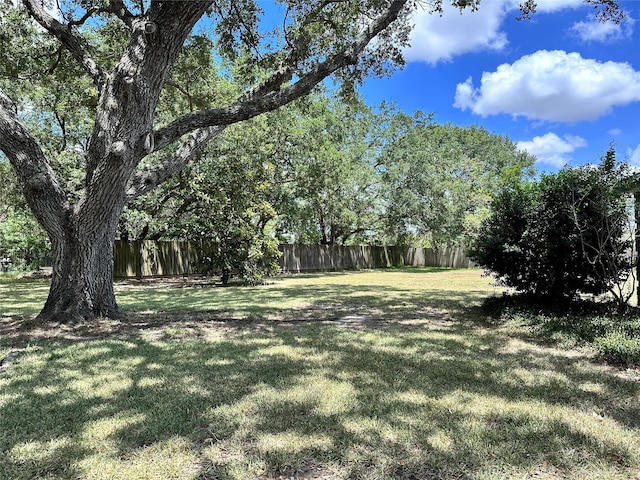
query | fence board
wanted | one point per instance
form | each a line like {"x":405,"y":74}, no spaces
{"x":170,"y":258}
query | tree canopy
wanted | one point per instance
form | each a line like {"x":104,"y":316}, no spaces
{"x":439,"y":181}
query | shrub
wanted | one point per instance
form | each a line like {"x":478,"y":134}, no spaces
{"x":566,"y":234}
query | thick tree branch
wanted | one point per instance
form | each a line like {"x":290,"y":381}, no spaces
{"x":124,"y":115}
{"x":43,"y":193}
{"x":150,"y":177}
{"x":269,"y":95}
{"x":87,"y":15}
{"x":64,"y":34}
{"x":120,"y":10}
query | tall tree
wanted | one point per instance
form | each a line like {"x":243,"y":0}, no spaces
{"x":439,"y":180}
{"x":329,"y":185}
{"x":124,"y":52}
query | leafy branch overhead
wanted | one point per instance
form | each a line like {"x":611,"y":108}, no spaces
{"x":157,"y":34}
{"x":314,"y":40}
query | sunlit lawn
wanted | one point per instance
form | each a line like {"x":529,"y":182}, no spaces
{"x":283,"y":296}
{"x":387,"y":374}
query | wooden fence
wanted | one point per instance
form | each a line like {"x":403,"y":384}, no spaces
{"x":146,"y":258}
{"x":305,"y":258}
{"x":167,"y":258}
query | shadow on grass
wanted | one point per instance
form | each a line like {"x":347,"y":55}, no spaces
{"x":21,"y":296}
{"x":288,"y":301}
{"x":25,"y":297}
{"x":152,"y":308}
{"x":412,"y":404}
{"x":615,"y":336}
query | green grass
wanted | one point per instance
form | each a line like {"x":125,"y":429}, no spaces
{"x":615,"y":337}
{"x":20,"y":297}
{"x":372,"y":375}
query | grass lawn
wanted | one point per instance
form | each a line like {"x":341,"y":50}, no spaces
{"x":388,"y":374}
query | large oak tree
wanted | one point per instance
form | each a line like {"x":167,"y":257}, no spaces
{"x":121,"y":54}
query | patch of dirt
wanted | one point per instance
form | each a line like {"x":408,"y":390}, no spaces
{"x":9,"y":359}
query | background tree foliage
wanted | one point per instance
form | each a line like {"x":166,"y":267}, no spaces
{"x":223,"y":202}
{"x":350,"y":174}
{"x":329,"y":186}
{"x":328,"y":172}
{"x":438,"y":181}
{"x":22,"y":240}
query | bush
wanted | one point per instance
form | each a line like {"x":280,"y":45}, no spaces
{"x":564,"y":235}
{"x":251,"y":256}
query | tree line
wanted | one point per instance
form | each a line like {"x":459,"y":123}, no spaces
{"x":320,"y":171}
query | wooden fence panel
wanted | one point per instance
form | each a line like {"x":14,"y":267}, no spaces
{"x":148,"y":258}
{"x":173,"y":258}
{"x":127,"y":259}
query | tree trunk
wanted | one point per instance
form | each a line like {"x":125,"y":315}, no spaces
{"x":323,"y":229}
{"x":82,"y":281}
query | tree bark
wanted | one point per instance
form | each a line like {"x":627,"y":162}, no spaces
{"x":82,"y":282}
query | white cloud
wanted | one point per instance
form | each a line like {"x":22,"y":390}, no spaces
{"x":614,"y":132}
{"x":466,"y":95}
{"x":605,"y":32}
{"x":553,"y":86}
{"x":552,"y":150}
{"x":634,"y":156}
{"x":550,"y":6}
{"x":438,"y":38}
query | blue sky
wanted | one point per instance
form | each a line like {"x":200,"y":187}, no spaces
{"x":562,"y":85}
